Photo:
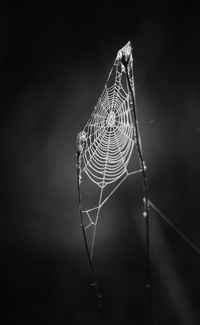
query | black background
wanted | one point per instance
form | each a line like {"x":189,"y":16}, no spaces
{"x":54,"y":62}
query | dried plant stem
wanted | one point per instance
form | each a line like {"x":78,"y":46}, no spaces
{"x":145,"y":192}
{"x":92,"y":270}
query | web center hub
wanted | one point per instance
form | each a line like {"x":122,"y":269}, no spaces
{"x":111,"y":118}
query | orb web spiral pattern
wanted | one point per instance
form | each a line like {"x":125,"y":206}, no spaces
{"x":109,"y":133}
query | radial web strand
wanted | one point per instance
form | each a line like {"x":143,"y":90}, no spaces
{"x":108,"y":139}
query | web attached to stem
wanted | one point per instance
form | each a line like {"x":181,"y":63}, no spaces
{"x":108,"y":138}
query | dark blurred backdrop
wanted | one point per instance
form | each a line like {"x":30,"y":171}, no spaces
{"x":54,"y":62}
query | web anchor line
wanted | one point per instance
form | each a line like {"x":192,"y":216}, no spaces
{"x":125,"y":60}
{"x":109,"y":195}
{"x":178,"y":231}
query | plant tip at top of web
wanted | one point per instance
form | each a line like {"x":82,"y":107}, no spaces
{"x":124,"y":54}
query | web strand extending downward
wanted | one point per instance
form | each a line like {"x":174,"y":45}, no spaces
{"x":108,"y":138}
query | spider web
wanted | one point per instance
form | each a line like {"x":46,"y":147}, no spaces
{"x":108,"y":138}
